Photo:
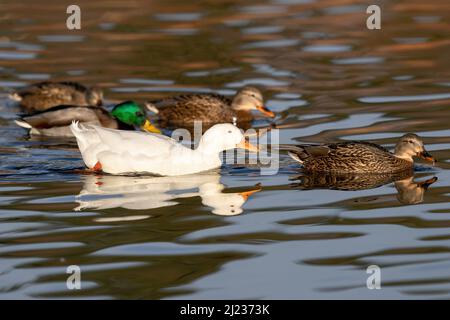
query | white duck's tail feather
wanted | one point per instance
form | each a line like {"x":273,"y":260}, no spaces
{"x":88,"y":142}
{"x":85,"y":136}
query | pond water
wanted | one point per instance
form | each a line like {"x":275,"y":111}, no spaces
{"x":326,"y":76}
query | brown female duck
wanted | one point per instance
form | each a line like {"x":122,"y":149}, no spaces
{"x":209,"y":108}
{"x":44,"y":95}
{"x":359,"y":157}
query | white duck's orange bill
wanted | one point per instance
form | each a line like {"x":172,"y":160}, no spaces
{"x":247,"y":146}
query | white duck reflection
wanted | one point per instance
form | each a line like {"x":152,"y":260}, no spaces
{"x":143,"y":193}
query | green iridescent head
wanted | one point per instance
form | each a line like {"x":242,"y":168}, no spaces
{"x":130,"y":113}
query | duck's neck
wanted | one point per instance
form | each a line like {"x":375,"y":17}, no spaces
{"x":402,"y":153}
{"x":206,"y":156}
{"x":404,"y":157}
{"x":190,"y":161}
{"x":123,"y":126}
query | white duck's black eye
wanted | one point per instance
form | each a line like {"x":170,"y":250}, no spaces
{"x":229,"y":131}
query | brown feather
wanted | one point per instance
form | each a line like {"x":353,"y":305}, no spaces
{"x":349,"y":157}
{"x":208,"y":108}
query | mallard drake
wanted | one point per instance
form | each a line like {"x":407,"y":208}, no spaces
{"x":183,"y":110}
{"x":44,"y":95}
{"x":359,"y":156}
{"x":56,"y":121}
{"x":104,"y":149}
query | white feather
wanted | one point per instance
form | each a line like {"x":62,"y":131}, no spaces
{"x":23,"y":124}
{"x":151,"y":107}
{"x":15,"y":96}
{"x":133,"y":152}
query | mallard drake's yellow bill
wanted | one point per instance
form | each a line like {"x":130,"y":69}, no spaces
{"x":149,"y":127}
{"x":265,"y":111}
{"x":244,"y":144}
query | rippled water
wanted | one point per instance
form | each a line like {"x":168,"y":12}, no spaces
{"x":327,"y":77}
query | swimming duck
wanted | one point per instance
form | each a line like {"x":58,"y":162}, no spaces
{"x":44,"y":95}
{"x":121,"y":152}
{"x":183,"y":110}
{"x":56,"y":121}
{"x":360,"y":157}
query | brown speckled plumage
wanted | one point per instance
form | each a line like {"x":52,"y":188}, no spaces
{"x":347,"y":181}
{"x":44,"y":95}
{"x":183,"y":110}
{"x":186,"y":109}
{"x":359,"y":156}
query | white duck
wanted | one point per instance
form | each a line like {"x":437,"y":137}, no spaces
{"x":118,"y":152}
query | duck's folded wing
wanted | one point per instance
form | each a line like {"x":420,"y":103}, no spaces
{"x":61,"y":116}
{"x":136,"y":143}
{"x":302,"y":152}
{"x":47,"y":88}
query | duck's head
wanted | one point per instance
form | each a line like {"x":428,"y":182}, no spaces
{"x":250,"y":98}
{"x":411,"y":145}
{"x":224,"y":136}
{"x":132,"y":114}
{"x":94,"y":96}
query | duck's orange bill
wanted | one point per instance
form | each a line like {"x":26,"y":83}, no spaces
{"x":265,"y":111}
{"x":426,"y":156}
{"x":244,"y":144}
{"x":247,"y":194}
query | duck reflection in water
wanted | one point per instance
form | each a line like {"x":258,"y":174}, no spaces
{"x":408,"y":190}
{"x":144,"y":193}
